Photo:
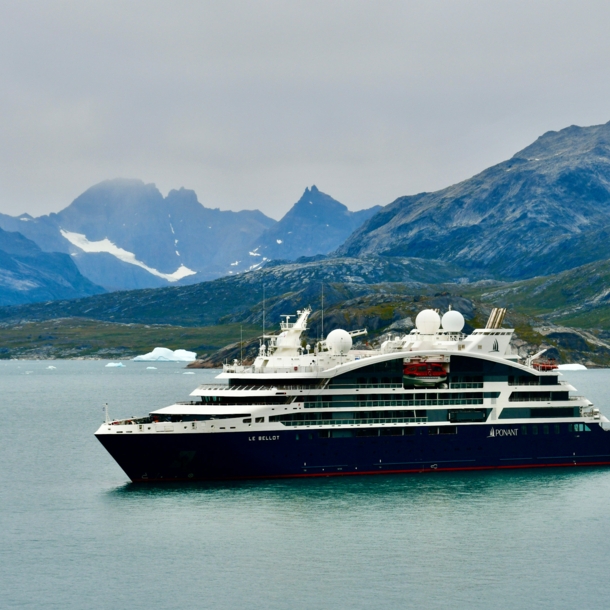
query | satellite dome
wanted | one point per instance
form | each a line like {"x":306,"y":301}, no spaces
{"x":428,"y":322}
{"x":453,"y":321}
{"x":339,"y":341}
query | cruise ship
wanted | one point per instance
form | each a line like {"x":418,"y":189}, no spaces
{"x":432,"y":400}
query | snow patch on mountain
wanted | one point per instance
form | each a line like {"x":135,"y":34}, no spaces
{"x":105,"y":245}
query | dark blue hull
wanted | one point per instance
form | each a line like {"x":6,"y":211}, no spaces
{"x":295,"y":453}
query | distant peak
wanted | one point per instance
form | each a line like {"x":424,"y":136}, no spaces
{"x":182,"y":194}
{"x":314,"y":189}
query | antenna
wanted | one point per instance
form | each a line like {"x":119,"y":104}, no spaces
{"x":322,"y":310}
{"x":263,"y":313}
{"x":241,"y":344}
{"x":106,"y":411}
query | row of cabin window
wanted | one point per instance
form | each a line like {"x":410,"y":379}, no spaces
{"x":458,"y":416}
{"x":533,"y":380}
{"x":342,"y":415}
{"x":394,"y":403}
{"x":538,"y":412}
{"x":455,"y":380}
{"x":366,"y":432}
{"x":538,"y":396}
{"x":245,"y":400}
{"x":311,"y":401}
{"x":374,"y":381}
{"x":432,"y":431}
{"x":546,"y":428}
{"x":380,"y":417}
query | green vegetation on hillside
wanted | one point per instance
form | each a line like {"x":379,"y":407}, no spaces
{"x":82,"y":338}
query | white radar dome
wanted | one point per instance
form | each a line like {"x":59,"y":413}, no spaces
{"x":453,"y":321}
{"x":428,"y":322}
{"x":339,"y":341}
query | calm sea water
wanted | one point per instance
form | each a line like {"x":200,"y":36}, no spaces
{"x":74,"y":534}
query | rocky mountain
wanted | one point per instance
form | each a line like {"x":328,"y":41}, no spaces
{"x":566,"y":312}
{"x":124,"y":234}
{"x":316,"y":224}
{"x":287,"y":287}
{"x":29,"y":275}
{"x":577,"y":297}
{"x":545,"y":210}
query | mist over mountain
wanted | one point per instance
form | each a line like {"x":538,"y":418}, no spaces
{"x":545,"y":210}
{"x":29,"y":275}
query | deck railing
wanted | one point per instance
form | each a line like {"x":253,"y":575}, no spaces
{"x":255,"y":388}
{"x":393,"y":403}
{"x":344,"y":422}
{"x":466,"y":385}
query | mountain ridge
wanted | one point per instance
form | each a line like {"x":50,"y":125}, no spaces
{"x":123,"y":234}
{"x":315,"y":224}
{"x":532,"y":214}
{"x":27,"y":274}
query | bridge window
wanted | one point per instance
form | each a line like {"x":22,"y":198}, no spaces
{"x":538,"y":413}
{"x":467,"y":415}
{"x":579,"y":428}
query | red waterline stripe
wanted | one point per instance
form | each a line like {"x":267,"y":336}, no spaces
{"x":370,"y":472}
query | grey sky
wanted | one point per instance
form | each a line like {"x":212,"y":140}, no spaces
{"x":249,"y":102}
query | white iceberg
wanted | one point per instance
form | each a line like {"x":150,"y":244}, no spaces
{"x":151,"y":368}
{"x":163,"y":354}
{"x":115,"y":365}
{"x":188,"y":373}
{"x":572,"y":367}
{"x":51,"y":368}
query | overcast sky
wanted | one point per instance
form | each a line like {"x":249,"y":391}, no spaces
{"x":248,"y":103}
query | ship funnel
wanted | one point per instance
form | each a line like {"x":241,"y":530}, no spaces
{"x":496,"y":317}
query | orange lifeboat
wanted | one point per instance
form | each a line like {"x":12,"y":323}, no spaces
{"x":424,"y":373}
{"x":545,"y":364}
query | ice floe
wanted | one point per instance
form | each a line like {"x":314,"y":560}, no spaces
{"x":163,"y":354}
{"x":572,"y":367}
{"x":115,"y":365}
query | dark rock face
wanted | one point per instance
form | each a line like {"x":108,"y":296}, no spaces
{"x":164,"y":234}
{"x":29,"y":275}
{"x":570,"y":341}
{"x":545,"y":210}
{"x":230,"y":299}
{"x":316,"y":224}
{"x":161,"y":233}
